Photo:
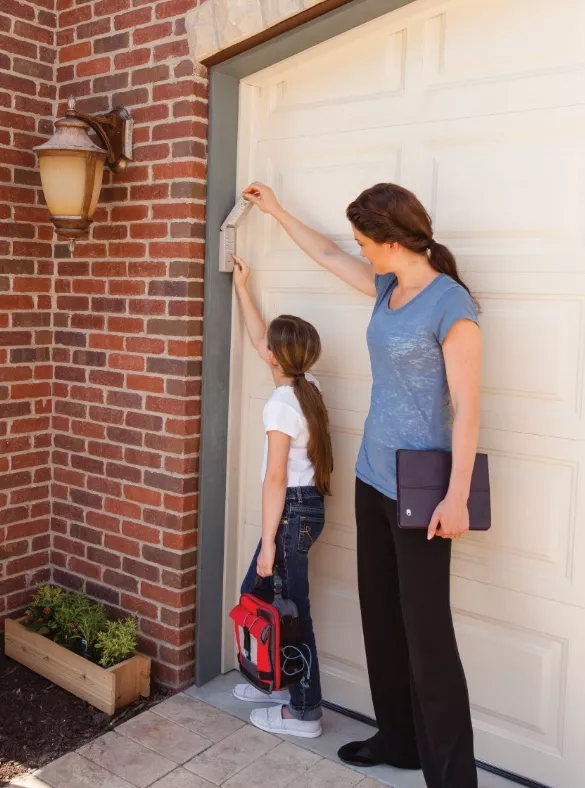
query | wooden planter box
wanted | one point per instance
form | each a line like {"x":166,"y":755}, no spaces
{"x":107,"y":689}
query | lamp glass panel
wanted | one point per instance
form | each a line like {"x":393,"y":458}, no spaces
{"x":63,"y":180}
{"x":97,"y":186}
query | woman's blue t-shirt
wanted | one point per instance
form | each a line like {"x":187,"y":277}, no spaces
{"x":410,"y":404}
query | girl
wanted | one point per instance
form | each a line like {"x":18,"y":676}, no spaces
{"x":296,"y":475}
{"x":425,"y":350}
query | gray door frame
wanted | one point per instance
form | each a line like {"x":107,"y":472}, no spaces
{"x":221,"y":192}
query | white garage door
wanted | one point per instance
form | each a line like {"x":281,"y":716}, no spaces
{"x":478,"y":106}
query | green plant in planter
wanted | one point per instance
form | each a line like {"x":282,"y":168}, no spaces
{"x":67,"y":618}
{"x":41,"y":611}
{"x":92,"y":622}
{"x":117,"y":642}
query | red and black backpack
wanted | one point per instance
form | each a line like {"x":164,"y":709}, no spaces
{"x":268,"y":637}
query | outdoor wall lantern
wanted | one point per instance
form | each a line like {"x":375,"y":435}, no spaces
{"x":72,"y":165}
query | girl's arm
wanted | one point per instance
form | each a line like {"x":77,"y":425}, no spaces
{"x":255,"y":326}
{"x":273,"y":498}
{"x":352,"y":270}
{"x":462,"y":353}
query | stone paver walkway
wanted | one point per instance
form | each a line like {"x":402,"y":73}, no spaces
{"x":185,"y":743}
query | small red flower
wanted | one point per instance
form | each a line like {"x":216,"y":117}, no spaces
{"x":40,"y":620}
{"x":46,"y":610}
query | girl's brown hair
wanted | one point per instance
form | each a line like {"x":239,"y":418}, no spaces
{"x":388,"y":213}
{"x":296,"y":346}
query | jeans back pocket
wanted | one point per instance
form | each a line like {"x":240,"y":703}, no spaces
{"x":310,"y":528}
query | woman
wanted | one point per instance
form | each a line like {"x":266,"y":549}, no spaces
{"x":425,"y":350}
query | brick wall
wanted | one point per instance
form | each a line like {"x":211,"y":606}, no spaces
{"x":127,"y":349}
{"x":27,"y":94}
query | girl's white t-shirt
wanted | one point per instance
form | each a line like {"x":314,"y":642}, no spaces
{"x":283,"y":413}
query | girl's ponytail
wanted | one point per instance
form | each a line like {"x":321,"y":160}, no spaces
{"x":319,"y":451}
{"x":296,"y":346}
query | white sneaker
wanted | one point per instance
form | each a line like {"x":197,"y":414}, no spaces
{"x":250,"y":694}
{"x":271,"y":721}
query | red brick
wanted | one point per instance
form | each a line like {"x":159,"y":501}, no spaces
{"x":141,"y":532}
{"x":155,"y":191}
{"x":168,"y":635}
{"x":126,"y":287}
{"x":133,"y":19}
{"x":178,"y":618}
{"x":122,"y":508}
{"x":142,"y":495}
{"x":103,"y":521}
{"x":108,"y":7}
{"x":174,"y":677}
{"x":90,"y":68}
{"x":175,"y":90}
{"x":27,"y":563}
{"x":139,"y":606}
{"x":104,"y":593}
{"x":74,"y":52}
{"x":92,"y":29}
{"x":144,"y":35}
{"x":187,"y":108}
{"x":75,"y":16}
{"x":104,"y":557}
{"x":85,"y":534}
{"x":127,"y":213}
{"x":111,"y":43}
{"x":152,"y":153}
{"x":140,"y":569}
{"x":145,"y":345}
{"x":84,"y":568}
{"x":17,"y":46}
{"x":110,"y":232}
{"x":136,"y":57}
{"x":173,"y":49}
{"x":151,"y":113}
{"x":174,"y":8}
{"x":19,"y":10}
{"x":126,"y":325}
{"x":33,"y":32}
{"x":120,"y":580}
{"x":142,"y":458}
{"x":127,"y":249}
{"x":164,"y":596}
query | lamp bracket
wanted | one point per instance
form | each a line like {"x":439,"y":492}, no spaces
{"x":114,"y":128}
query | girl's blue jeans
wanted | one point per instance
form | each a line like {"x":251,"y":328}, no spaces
{"x":300,"y":526}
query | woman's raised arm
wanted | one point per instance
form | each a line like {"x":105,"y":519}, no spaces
{"x":327,"y":254}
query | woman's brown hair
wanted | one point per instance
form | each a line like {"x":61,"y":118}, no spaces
{"x":388,"y":213}
{"x":296,"y":346}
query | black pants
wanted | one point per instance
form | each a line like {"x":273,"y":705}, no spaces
{"x":416,"y":677}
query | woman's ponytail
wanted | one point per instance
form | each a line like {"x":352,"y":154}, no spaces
{"x":443,"y":261}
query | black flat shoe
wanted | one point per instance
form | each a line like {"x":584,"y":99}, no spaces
{"x":365,"y":753}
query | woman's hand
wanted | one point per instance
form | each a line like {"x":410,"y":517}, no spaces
{"x":452,"y":515}
{"x":266,"y":557}
{"x":263,"y":197}
{"x":241,"y":271}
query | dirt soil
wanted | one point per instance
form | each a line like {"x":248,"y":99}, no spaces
{"x":39,"y":721}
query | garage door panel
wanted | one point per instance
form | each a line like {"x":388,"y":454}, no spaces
{"x":529,"y":647}
{"x":336,"y":614}
{"x":468,"y":42}
{"x":533,"y":384}
{"x":533,"y":167}
{"x":536,"y":545}
{"x":372,"y":65}
{"x":339,"y":166}
{"x":534,"y":661}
